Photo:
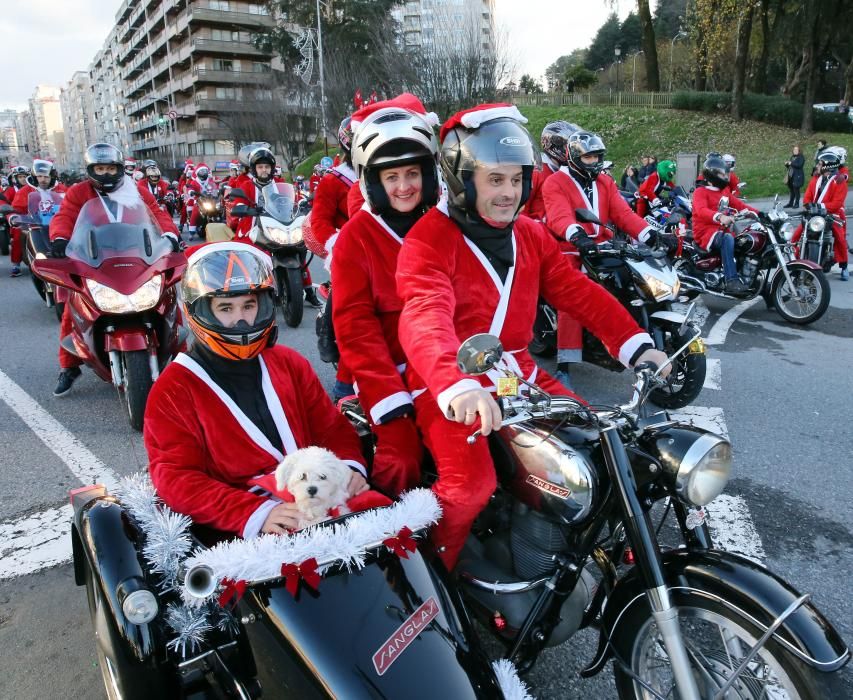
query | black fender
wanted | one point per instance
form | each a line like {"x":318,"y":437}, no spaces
{"x":104,"y":542}
{"x":739,"y":583}
{"x":287,"y":260}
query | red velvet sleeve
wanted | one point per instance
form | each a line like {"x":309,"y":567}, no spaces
{"x":702,"y":212}
{"x":62,"y":225}
{"x":354,"y":200}
{"x":620,"y":213}
{"x":559,"y":212}
{"x":325,"y":209}
{"x":810,"y":196}
{"x":21,"y":200}
{"x":647,"y":187}
{"x":837,"y":195}
{"x":176,"y":458}
{"x":361,"y":338}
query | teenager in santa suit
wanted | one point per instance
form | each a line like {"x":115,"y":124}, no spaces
{"x":395,"y":157}
{"x":233,"y":173}
{"x":648,"y":194}
{"x":475,"y":266}
{"x":42,"y":179}
{"x":709,"y":223}
{"x":577,"y":185}
{"x":107,"y":181}
{"x":554,"y":140}
{"x":265,"y":397}
{"x":153,"y":181}
{"x":829,"y":187}
{"x":203,"y":183}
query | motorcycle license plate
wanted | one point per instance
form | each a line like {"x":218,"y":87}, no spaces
{"x":697,"y":347}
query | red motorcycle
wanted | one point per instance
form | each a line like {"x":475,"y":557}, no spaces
{"x":121,"y":276}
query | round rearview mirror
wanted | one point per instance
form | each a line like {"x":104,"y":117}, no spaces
{"x":479,"y":354}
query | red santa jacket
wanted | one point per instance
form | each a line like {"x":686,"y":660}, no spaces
{"x":705,"y":213}
{"x":366,"y":311}
{"x":355,"y":199}
{"x":313,"y":181}
{"x":10,"y":192}
{"x":203,"y":475}
{"x":242,"y":225}
{"x":649,"y":191}
{"x":831,"y":192}
{"x":535,"y":206}
{"x":158,"y":191}
{"x":62,"y":224}
{"x":329,"y":211}
{"x":563,"y":194}
{"x":450,"y":292}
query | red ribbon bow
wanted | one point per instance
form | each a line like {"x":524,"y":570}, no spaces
{"x":231,"y":590}
{"x":306,"y":571}
{"x":400,"y":542}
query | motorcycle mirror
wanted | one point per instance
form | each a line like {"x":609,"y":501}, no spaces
{"x":237,"y":192}
{"x":585,"y":216}
{"x":479,"y":354}
{"x":243,"y":210}
{"x":724,"y":204}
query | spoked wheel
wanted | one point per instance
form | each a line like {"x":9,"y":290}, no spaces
{"x":807,"y":301}
{"x":137,"y":384}
{"x":292,"y":296}
{"x":687,"y":378}
{"x":717,"y":641}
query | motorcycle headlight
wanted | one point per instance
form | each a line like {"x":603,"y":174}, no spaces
{"x":817,"y":224}
{"x":787,"y":230}
{"x":208,"y":206}
{"x":698,"y":463}
{"x":110,"y":301}
{"x":284,"y":236}
{"x":660,"y":290}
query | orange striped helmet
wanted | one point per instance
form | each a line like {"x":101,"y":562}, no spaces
{"x":230,"y":269}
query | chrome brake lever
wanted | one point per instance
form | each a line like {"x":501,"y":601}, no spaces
{"x":520,"y":418}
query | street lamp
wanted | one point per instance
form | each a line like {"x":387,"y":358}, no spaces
{"x":634,"y":72}
{"x":680,"y":35}
{"x":617,"y":51}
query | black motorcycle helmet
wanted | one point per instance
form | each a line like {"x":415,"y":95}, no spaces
{"x":555,"y":141}
{"x":260,"y":155}
{"x":104,"y":154}
{"x":829,"y":162}
{"x":585,"y":143}
{"x":714,"y":170}
{"x":502,"y":140}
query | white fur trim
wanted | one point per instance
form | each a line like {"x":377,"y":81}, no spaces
{"x":629,"y":347}
{"x":388,"y":404}
{"x":256,"y":520}
{"x":260,"y":559}
{"x":227,"y":245}
{"x":644,"y":235}
{"x":277,"y":411}
{"x":512,"y":687}
{"x":451,"y":392}
{"x":346,"y":171}
{"x":357,"y":466}
{"x":331,"y":242}
{"x":473,"y":120}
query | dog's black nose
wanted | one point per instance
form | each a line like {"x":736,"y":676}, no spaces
{"x":312,"y":490}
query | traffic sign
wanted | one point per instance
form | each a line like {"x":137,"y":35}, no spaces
{"x":172,"y":114}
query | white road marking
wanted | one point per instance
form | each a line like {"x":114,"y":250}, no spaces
{"x":38,"y":541}
{"x":709,"y":418}
{"x":35,"y":542}
{"x":713,"y":374}
{"x":732,"y":527}
{"x":717,"y":334}
{"x":700,"y":313}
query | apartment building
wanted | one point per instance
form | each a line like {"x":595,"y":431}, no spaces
{"x":9,"y":135}
{"x":447,"y":22}
{"x":45,"y":121}
{"x":195,"y":59}
{"x":77,"y":118}
{"x":109,"y":123}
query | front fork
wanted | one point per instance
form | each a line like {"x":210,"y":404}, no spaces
{"x":640,"y":533}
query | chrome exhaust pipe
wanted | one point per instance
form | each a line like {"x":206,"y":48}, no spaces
{"x":501,"y":588}
{"x":199,"y":581}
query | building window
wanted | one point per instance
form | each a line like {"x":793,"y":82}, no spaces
{"x":255,"y":9}
{"x":224,"y":35}
{"x":225,"y":93}
{"x":218,"y":5}
{"x":223,"y":64}
{"x":258,"y":67}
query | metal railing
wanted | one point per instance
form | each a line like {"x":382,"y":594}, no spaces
{"x":616,"y":99}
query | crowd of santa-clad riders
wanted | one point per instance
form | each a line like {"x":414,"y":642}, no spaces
{"x":429,"y":237}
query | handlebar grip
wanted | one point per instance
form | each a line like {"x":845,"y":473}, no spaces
{"x":645,"y":365}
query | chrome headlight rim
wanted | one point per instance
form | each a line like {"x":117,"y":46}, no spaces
{"x":786,"y":231}
{"x":694,"y":467}
{"x":817,"y":224}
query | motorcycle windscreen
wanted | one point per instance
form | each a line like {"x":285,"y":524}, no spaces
{"x":42,"y":206}
{"x":105,"y":230}
{"x":388,"y":630}
{"x":280,"y":201}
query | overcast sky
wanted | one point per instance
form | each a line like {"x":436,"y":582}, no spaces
{"x":50,"y":39}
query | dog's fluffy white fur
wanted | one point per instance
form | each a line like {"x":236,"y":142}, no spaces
{"x":318,"y":480}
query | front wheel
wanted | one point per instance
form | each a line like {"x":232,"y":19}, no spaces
{"x":687,"y":378}
{"x":137,"y":384}
{"x":292,"y":296}
{"x":5,"y":241}
{"x":807,"y":301}
{"x":717,"y":640}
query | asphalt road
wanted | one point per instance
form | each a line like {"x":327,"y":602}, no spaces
{"x":784,"y":398}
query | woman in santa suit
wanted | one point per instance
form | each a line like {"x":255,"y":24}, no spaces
{"x":394,"y":154}
{"x":264,"y":397}
{"x":475,"y":266}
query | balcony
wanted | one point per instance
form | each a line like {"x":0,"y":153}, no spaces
{"x":237,"y":104}
{"x":226,"y":17}
{"x":230,"y":48}
{"x":243,"y":77}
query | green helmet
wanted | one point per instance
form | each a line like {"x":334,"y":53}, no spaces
{"x":666,"y":170}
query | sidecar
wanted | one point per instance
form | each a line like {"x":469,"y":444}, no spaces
{"x":174,"y":617}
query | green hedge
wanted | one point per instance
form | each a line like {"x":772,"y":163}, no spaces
{"x":772,"y":109}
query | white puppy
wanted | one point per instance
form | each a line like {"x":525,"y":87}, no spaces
{"x":318,"y":480}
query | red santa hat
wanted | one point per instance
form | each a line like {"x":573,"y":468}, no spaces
{"x":200,"y":166}
{"x":234,"y":164}
{"x":405,"y":101}
{"x":476,"y":116}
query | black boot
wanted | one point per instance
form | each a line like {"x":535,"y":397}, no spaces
{"x":736,"y":287}
{"x":66,"y":380}
{"x":311,"y":297}
{"x":326,"y":345}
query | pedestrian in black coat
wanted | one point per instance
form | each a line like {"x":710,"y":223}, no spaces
{"x":795,"y":177}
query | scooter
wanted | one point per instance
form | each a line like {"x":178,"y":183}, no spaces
{"x":121,"y":274}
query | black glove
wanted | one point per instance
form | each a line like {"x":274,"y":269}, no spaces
{"x":177,"y":243}
{"x":670,"y":242}
{"x":652,"y":238}
{"x":584,"y":244}
{"x":57,"y":247}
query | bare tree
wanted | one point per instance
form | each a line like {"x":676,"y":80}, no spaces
{"x":744,"y":32}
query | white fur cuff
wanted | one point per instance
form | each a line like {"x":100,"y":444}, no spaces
{"x":256,"y":520}
{"x":451,"y":392}
{"x":356,"y":466}
{"x":629,"y":347}
{"x":389,"y":403}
